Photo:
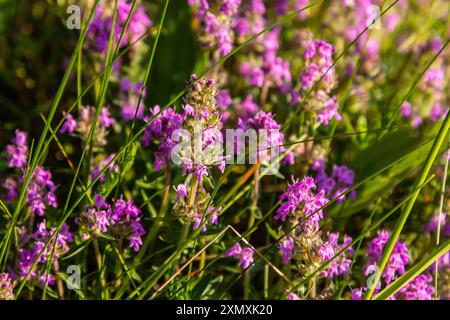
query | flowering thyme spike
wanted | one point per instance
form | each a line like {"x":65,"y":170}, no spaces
{"x":6,"y":287}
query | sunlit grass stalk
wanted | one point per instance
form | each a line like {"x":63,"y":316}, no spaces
{"x":440,"y":214}
{"x":412,"y":273}
{"x":443,"y":131}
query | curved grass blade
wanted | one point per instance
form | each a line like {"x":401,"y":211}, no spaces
{"x":441,"y":212}
{"x":413,"y":272}
{"x":443,"y":131}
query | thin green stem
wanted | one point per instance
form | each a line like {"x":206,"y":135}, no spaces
{"x":443,"y":131}
{"x":441,"y":213}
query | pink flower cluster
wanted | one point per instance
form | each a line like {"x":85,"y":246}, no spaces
{"x":17,"y":151}
{"x":397,"y":263}
{"x":128,"y":99}
{"x":244,"y":254}
{"x":122,"y":220}
{"x":41,"y":189}
{"x":263,"y":122}
{"x":38,"y":240}
{"x":6,"y":287}
{"x":100,"y":27}
{"x":340,"y":265}
{"x":82,"y":125}
{"x":300,"y":201}
{"x":217,"y":31}
{"x":420,"y":288}
{"x":337,"y":183}
{"x":319,"y":60}
{"x":272,"y":70}
{"x":161,"y":131}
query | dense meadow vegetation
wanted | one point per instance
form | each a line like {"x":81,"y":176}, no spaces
{"x":224,"y":149}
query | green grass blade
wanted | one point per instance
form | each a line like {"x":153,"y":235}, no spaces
{"x":443,"y":131}
{"x":412,"y":273}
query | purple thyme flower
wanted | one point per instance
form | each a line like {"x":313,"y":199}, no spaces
{"x":161,"y":130}
{"x":406,"y":110}
{"x":123,"y":222}
{"x":327,"y":250}
{"x":202,"y":124}
{"x":97,"y":218}
{"x":181,"y":191}
{"x":272,"y":143}
{"x":27,"y":256}
{"x":299,"y":201}
{"x":268,"y":69}
{"x":319,"y":61}
{"x":248,"y":107}
{"x":83,"y":124}
{"x":6,"y":287}
{"x":100,"y":27}
{"x":105,"y":118}
{"x":293,"y":296}
{"x":200,"y":171}
{"x":224,"y":100}
{"x":216,"y":22}
{"x":438,"y":111}
{"x":339,"y":182}
{"x":245,"y":255}
{"x":357,"y":294}
{"x":126,"y":222}
{"x":41,"y":191}
{"x":397,"y":262}
{"x":11,"y":189}
{"x":17,"y":151}
{"x":286,"y":250}
{"x":69,"y":124}
{"x":129,"y":97}
{"x":197,"y":144}
{"x":340,"y":265}
{"x":434,"y":79}
{"x":213,"y":216}
{"x":421,"y":288}
{"x":432,"y":225}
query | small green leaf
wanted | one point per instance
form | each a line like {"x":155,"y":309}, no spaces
{"x":78,"y":250}
{"x":128,"y":161}
{"x":200,"y":288}
{"x":271,"y":232}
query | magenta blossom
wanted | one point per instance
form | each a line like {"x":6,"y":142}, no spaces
{"x":245,"y":255}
